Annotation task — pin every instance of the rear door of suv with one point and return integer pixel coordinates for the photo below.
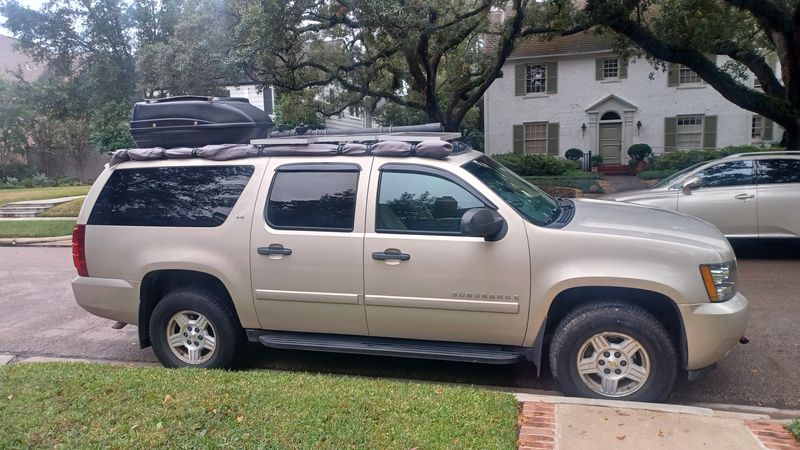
(779, 197)
(307, 243)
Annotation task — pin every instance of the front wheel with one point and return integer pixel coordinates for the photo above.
(613, 350)
(192, 328)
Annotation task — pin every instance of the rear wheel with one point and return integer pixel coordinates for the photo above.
(613, 350)
(193, 328)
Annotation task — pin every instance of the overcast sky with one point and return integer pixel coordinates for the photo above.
(36, 4)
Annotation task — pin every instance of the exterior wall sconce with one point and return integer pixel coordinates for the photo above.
(583, 129)
(638, 126)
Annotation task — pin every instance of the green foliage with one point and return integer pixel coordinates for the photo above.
(35, 228)
(794, 428)
(640, 152)
(69, 209)
(391, 114)
(655, 174)
(536, 165)
(19, 195)
(682, 159)
(37, 181)
(294, 108)
(574, 154)
(597, 159)
(12, 125)
(94, 406)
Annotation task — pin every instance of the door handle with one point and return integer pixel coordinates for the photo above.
(391, 254)
(743, 196)
(274, 249)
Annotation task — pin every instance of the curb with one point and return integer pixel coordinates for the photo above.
(660, 407)
(15, 242)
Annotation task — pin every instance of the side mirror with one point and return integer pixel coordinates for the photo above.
(690, 184)
(483, 222)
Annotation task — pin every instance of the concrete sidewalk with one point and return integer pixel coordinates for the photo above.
(569, 423)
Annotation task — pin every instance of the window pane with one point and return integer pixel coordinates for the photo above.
(735, 173)
(313, 200)
(687, 75)
(412, 202)
(170, 196)
(535, 78)
(611, 68)
(689, 132)
(755, 131)
(535, 138)
(773, 171)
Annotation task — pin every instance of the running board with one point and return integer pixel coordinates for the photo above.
(404, 348)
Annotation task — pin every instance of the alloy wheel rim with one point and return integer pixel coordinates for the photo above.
(191, 337)
(613, 364)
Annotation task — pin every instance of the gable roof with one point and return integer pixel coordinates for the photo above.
(12, 60)
(584, 42)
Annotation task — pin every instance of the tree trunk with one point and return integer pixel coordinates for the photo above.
(793, 139)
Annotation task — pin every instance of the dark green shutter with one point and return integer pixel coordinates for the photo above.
(519, 79)
(710, 132)
(518, 134)
(552, 138)
(552, 77)
(598, 69)
(623, 68)
(670, 130)
(766, 129)
(673, 76)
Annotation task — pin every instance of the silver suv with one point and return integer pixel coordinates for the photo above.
(455, 258)
(747, 195)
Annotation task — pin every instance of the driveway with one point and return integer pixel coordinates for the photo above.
(40, 318)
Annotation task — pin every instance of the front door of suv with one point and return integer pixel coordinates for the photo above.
(726, 197)
(422, 278)
(307, 243)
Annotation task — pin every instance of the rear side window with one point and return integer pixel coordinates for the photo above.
(779, 171)
(170, 196)
(313, 200)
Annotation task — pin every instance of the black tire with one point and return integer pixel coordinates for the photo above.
(226, 329)
(613, 317)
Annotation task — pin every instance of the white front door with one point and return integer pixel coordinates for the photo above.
(423, 279)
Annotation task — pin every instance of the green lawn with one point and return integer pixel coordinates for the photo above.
(794, 428)
(574, 179)
(35, 228)
(68, 209)
(95, 406)
(18, 195)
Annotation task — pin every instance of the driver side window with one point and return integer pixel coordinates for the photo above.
(416, 203)
(734, 173)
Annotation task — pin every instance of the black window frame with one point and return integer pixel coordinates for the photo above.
(760, 174)
(420, 169)
(313, 168)
(93, 218)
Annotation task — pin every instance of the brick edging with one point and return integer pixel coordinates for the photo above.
(537, 426)
(773, 435)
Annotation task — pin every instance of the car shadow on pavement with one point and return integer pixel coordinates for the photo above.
(766, 248)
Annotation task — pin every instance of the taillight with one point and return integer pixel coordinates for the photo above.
(79, 250)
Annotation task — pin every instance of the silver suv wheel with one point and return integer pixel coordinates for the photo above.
(191, 337)
(613, 364)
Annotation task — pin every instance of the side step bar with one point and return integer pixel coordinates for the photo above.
(404, 348)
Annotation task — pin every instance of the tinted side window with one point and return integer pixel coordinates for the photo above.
(419, 203)
(201, 196)
(734, 173)
(774, 171)
(324, 201)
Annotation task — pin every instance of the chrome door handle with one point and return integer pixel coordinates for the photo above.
(743, 196)
(274, 249)
(390, 254)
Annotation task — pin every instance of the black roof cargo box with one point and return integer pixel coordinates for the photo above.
(191, 121)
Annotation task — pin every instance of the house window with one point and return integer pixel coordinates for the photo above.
(689, 132)
(535, 78)
(757, 128)
(610, 68)
(536, 138)
(687, 76)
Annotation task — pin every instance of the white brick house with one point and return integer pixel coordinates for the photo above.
(575, 92)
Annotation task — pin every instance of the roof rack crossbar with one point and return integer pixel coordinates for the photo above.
(775, 152)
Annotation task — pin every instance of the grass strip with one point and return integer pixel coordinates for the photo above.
(68, 209)
(35, 228)
(794, 428)
(19, 195)
(72, 405)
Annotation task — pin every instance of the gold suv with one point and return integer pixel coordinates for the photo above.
(452, 257)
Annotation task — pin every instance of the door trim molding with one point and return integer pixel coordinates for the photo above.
(312, 297)
(443, 303)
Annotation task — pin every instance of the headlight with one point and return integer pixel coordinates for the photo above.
(719, 280)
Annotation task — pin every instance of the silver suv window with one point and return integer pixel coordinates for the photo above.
(733, 173)
(312, 200)
(778, 171)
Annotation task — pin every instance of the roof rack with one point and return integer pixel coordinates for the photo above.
(776, 152)
(414, 133)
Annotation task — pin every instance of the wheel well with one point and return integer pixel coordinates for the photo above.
(159, 283)
(661, 306)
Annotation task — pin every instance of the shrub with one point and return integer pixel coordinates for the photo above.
(682, 159)
(574, 154)
(597, 160)
(38, 180)
(640, 152)
(536, 165)
(655, 174)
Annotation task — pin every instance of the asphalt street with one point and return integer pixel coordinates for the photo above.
(39, 317)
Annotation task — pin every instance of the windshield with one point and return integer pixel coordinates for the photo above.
(525, 198)
(672, 178)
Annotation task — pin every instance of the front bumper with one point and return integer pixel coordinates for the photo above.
(110, 298)
(713, 329)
